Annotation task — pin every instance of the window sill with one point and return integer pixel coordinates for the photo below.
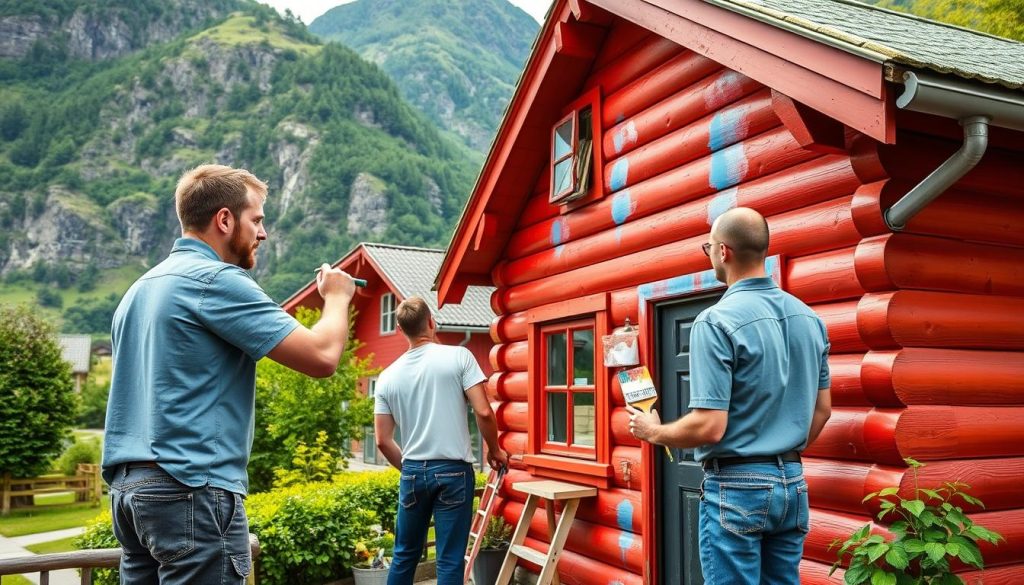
(570, 469)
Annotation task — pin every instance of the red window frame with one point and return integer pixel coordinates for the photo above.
(569, 388)
(595, 190)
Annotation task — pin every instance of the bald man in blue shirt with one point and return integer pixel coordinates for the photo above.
(186, 338)
(759, 395)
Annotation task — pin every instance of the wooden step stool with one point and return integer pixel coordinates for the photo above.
(550, 491)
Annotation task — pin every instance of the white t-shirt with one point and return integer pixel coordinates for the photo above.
(425, 391)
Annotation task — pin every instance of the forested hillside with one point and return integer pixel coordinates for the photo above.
(103, 105)
(456, 60)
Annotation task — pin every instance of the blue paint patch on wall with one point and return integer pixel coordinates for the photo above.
(624, 515)
(728, 167)
(622, 206)
(619, 140)
(726, 128)
(559, 250)
(620, 174)
(625, 542)
(722, 202)
(556, 232)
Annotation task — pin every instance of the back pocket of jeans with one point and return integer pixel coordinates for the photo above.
(407, 491)
(803, 508)
(453, 487)
(744, 507)
(165, 523)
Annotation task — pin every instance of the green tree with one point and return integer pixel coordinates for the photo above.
(37, 400)
(48, 297)
(293, 409)
(92, 407)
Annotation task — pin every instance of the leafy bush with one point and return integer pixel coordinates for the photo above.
(931, 531)
(308, 533)
(99, 533)
(497, 535)
(86, 451)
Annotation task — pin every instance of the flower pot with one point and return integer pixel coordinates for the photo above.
(365, 576)
(488, 565)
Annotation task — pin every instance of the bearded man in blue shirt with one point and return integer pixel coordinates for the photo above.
(759, 395)
(186, 338)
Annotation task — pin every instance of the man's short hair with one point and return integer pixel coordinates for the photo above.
(747, 234)
(206, 189)
(413, 315)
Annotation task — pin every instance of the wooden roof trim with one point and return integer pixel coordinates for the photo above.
(523, 98)
(843, 86)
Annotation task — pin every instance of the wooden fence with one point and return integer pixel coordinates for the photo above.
(86, 484)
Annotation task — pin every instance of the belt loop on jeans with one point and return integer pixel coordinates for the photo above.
(714, 462)
(780, 462)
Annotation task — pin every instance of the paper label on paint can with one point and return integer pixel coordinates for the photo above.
(637, 385)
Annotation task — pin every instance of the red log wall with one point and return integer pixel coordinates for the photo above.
(926, 325)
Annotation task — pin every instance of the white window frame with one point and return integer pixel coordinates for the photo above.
(387, 313)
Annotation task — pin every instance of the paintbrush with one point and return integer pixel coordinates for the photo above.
(357, 281)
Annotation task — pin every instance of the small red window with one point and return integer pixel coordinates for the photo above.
(568, 409)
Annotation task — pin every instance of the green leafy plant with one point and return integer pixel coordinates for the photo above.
(310, 464)
(80, 451)
(498, 534)
(929, 532)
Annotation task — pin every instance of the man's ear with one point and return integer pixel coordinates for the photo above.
(224, 220)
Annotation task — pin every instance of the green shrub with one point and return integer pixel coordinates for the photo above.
(308, 533)
(930, 531)
(99, 533)
(85, 451)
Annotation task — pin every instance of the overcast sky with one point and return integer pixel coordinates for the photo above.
(310, 9)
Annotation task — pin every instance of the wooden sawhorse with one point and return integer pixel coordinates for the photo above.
(551, 492)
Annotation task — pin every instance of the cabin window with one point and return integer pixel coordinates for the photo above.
(387, 313)
(568, 389)
(572, 159)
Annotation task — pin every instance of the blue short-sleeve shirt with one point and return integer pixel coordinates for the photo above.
(761, 354)
(186, 338)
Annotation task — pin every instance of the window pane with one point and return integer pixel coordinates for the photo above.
(563, 176)
(556, 359)
(583, 357)
(563, 140)
(583, 419)
(557, 417)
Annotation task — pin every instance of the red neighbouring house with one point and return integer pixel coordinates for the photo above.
(634, 125)
(393, 274)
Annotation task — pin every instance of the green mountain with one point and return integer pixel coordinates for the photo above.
(456, 60)
(103, 105)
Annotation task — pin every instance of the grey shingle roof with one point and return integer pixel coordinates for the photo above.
(412, 270)
(901, 38)
(77, 349)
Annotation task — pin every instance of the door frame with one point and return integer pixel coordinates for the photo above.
(649, 294)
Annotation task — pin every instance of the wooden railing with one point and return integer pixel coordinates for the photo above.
(86, 484)
(86, 561)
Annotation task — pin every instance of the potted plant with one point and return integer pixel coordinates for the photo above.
(493, 548)
(373, 559)
(929, 531)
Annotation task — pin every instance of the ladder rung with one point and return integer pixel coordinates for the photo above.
(527, 553)
(492, 485)
(474, 534)
(466, 557)
(482, 512)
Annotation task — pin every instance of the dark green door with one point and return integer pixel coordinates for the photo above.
(678, 482)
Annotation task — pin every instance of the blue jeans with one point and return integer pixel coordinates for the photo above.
(753, 521)
(443, 489)
(173, 534)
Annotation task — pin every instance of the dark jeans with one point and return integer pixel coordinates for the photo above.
(753, 521)
(443, 489)
(173, 534)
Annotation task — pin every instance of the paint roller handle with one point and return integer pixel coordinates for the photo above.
(361, 282)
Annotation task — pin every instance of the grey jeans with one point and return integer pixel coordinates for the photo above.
(173, 534)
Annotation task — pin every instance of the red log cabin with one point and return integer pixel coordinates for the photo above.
(393, 274)
(634, 125)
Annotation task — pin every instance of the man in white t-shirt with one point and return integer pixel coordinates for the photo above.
(424, 393)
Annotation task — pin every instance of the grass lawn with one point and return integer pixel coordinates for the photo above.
(37, 520)
(54, 546)
(14, 580)
(54, 499)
